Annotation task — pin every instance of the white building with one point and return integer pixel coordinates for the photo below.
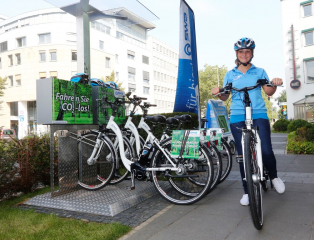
(298, 15)
(42, 44)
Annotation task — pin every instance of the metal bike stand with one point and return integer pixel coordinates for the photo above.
(108, 201)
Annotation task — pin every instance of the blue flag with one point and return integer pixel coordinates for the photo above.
(187, 96)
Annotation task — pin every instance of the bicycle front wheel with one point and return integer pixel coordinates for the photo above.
(98, 175)
(252, 174)
(226, 159)
(188, 186)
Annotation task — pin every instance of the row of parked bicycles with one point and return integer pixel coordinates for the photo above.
(113, 154)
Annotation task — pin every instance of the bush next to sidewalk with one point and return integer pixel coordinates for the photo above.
(24, 164)
(281, 125)
(297, 145)
(295, 124)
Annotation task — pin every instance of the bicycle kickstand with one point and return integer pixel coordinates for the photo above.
(132, 187)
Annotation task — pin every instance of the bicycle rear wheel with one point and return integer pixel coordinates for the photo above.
(217, 163)
(252, 175)
(232, 147)
(98, 175)
(226, 159)
(186, 187)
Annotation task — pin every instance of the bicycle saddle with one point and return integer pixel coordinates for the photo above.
(156, 119)
(184, 118)
(172, 121)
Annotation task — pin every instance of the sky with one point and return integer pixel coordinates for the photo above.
(219, 24)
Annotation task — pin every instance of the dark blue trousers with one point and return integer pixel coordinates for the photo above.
(268, 155)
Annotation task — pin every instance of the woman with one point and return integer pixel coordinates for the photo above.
(245, 74)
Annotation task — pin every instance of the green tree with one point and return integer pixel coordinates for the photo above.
(282, 98)
(2, 88)
(207, 81)
(271, 110)
(112, 78)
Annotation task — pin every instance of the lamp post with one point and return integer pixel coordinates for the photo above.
(217, 75)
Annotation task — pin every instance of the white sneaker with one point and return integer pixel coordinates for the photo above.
(245, 200)
(279, 185)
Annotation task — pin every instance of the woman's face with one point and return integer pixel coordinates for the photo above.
(244, 55)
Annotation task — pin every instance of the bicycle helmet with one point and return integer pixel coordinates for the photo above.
(244, 43)
(80, 78)
(112, 85)
(97, 82)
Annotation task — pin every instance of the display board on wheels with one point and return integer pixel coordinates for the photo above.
(217, 117)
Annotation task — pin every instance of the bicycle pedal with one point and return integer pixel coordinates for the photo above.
(130, 188)
(239, 159)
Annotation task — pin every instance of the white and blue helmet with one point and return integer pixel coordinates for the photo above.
(97, 82)
(244, 43)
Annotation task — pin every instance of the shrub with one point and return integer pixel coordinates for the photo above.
(294, 125)
(24, 164)
(299, 147)
(305, 133)
(281, 125)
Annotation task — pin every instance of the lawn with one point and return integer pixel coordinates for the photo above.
(21, 224)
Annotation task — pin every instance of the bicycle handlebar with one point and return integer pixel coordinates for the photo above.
(260, 82)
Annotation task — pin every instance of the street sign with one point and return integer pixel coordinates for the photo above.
(295, 84)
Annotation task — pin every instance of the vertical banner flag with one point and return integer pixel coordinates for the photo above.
(187, 96)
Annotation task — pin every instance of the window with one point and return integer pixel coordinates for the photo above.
(44, 38)
(308, 38)
(53, 74)
(3, 46)
(146, 77)
(107, 62)
(101, 44)
(131, 55)
(117, 76)
(42, 56)
(21, 42)
(18, 59)
(42, 75)
(146, 90)
(131, 87)
(131, 74)
(14, 109)
(74, 56)
(117, 58)
(145, 59)
(11, 84)
(310, 70)
(10, 60)
(18, 80)
(307, 10)
(53, 55)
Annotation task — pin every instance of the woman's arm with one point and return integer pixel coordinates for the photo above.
(271, 90)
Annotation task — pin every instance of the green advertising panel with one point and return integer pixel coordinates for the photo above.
(190, 145)
(72, 102)
(102, 110)
(211, 137)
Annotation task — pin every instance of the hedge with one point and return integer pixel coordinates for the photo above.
(24, 164)
(295, 124)
(299, 147)
(281, 125)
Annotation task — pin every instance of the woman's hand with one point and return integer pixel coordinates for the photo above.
(215, 90)
(277, 81)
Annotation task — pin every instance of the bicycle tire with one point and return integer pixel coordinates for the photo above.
(96, 176)
(226, 159)
(181, 190)
(121, 173)
(233, 148)
(254, 189)
(217, 163)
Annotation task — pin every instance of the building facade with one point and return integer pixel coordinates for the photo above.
(42, 44)
(298, 36)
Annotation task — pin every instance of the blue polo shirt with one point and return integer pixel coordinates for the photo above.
(240, 80)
